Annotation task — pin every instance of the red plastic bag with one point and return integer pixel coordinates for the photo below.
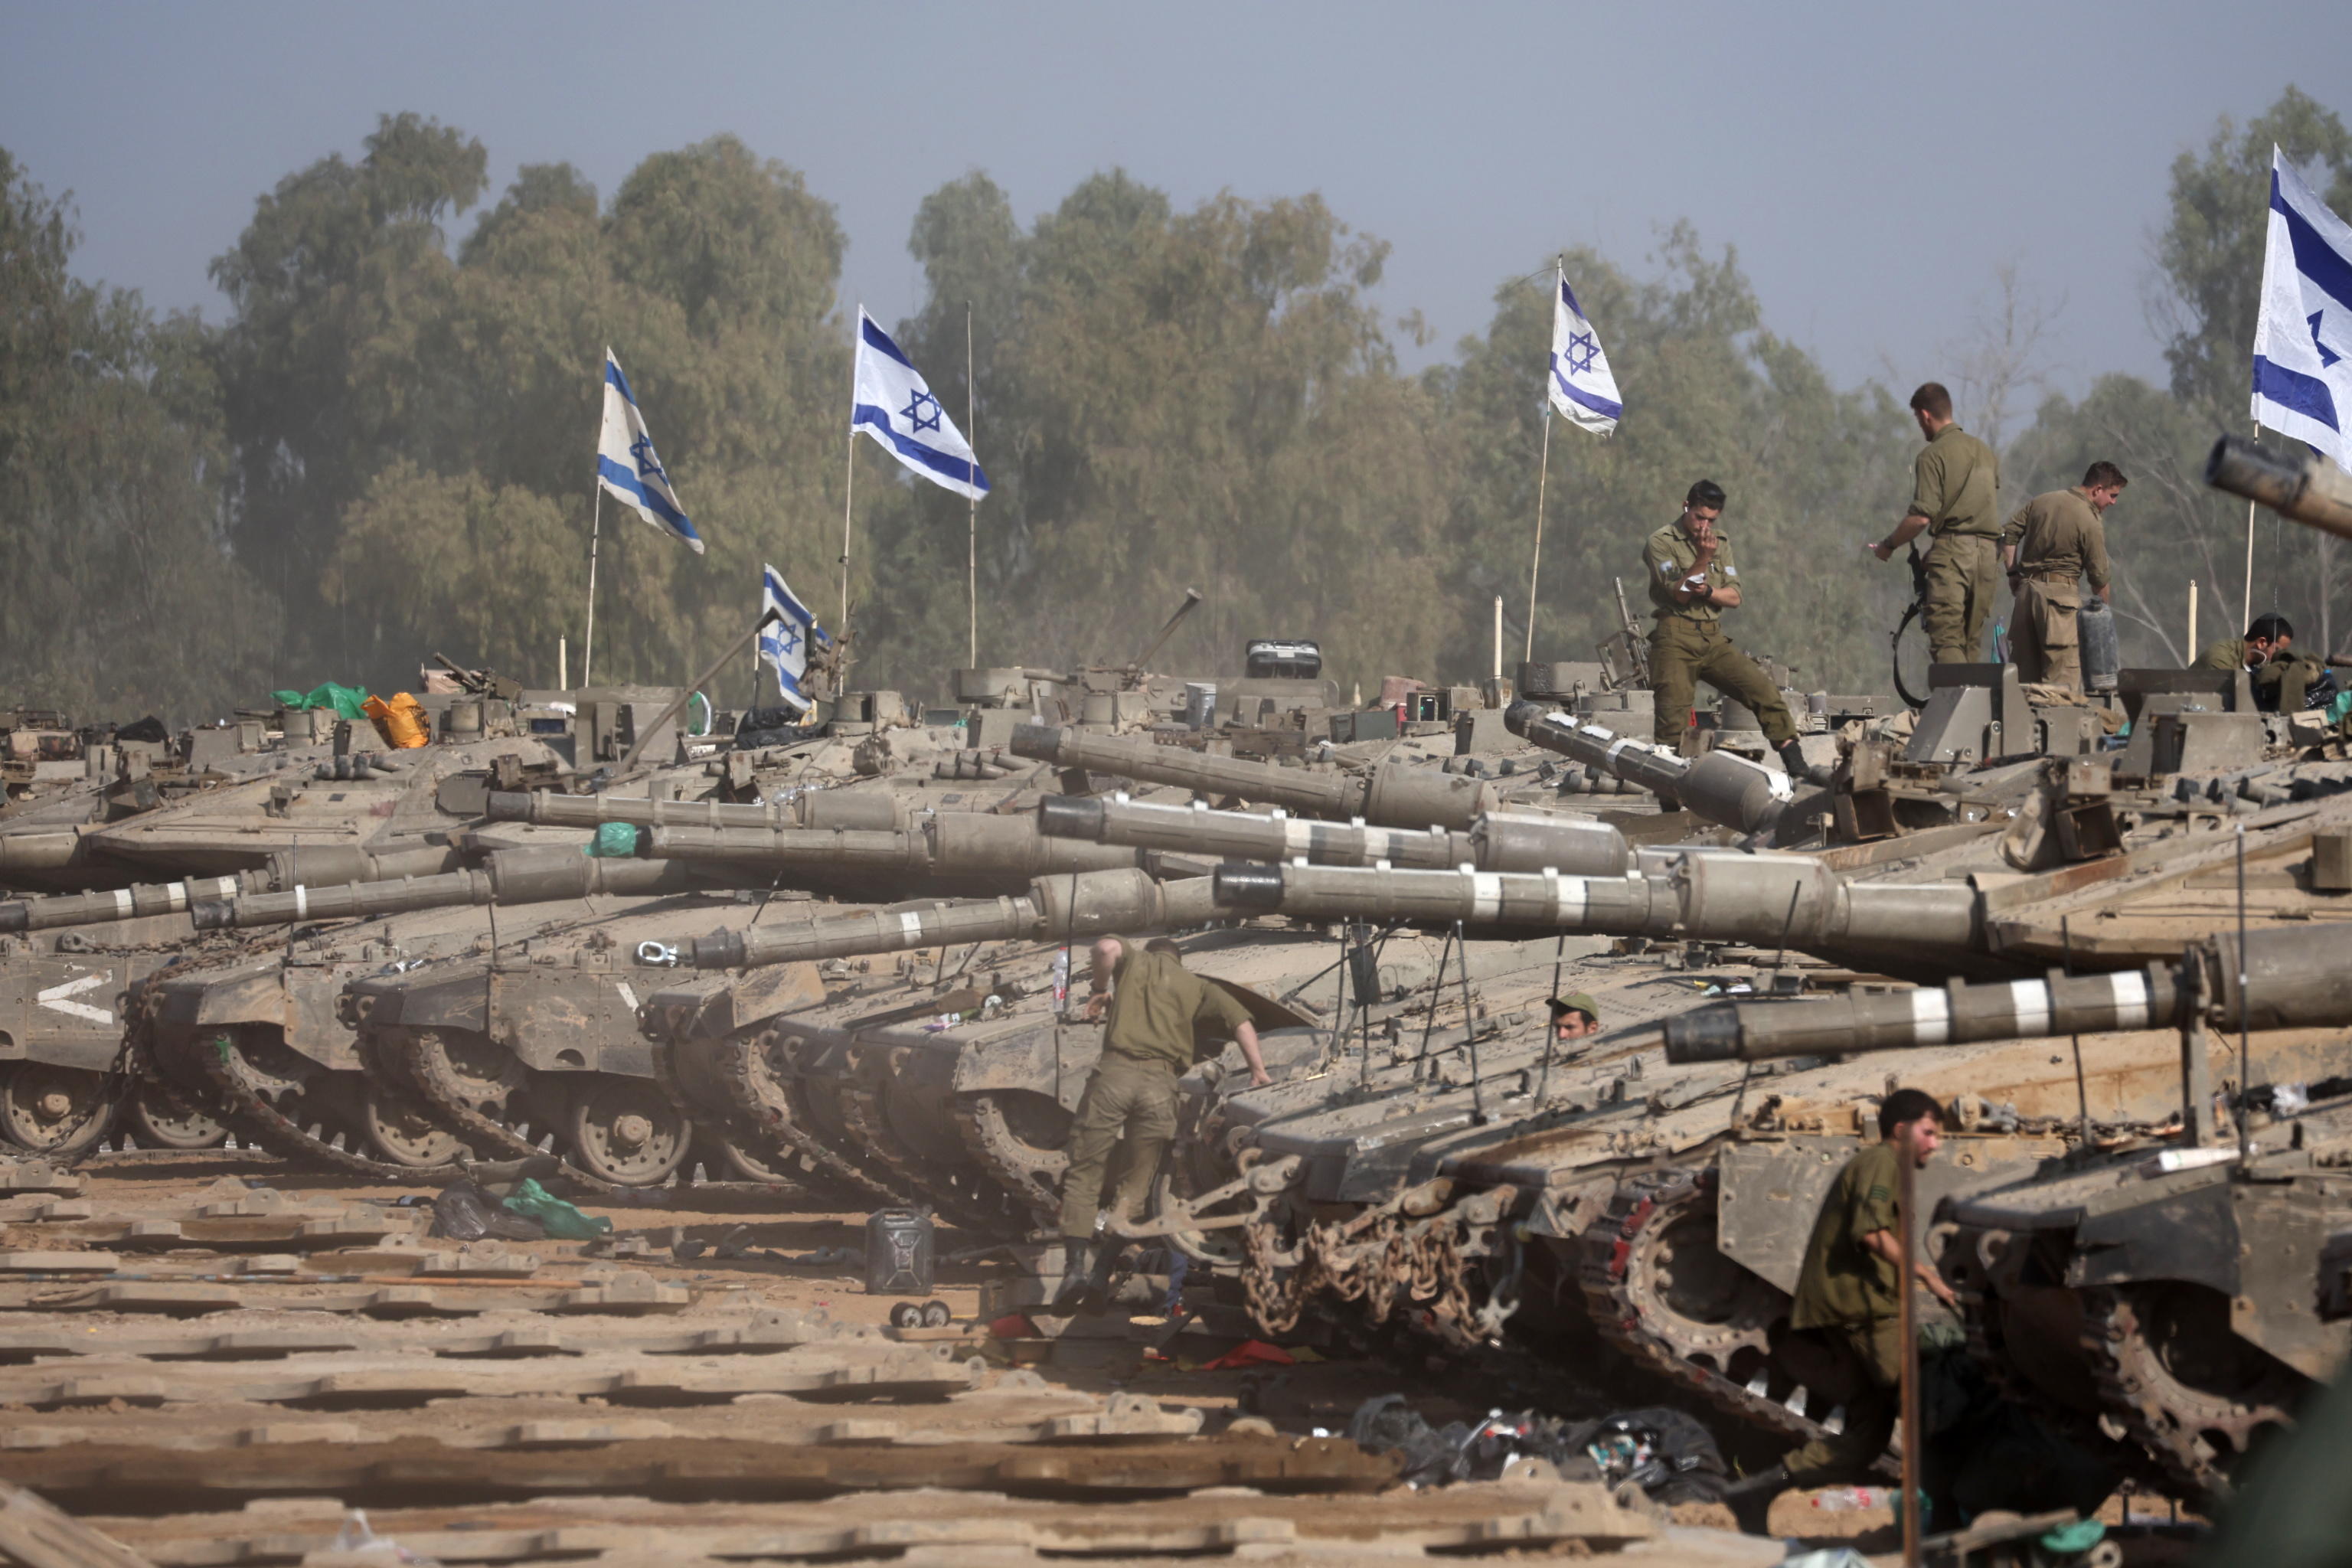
(1251, 1353)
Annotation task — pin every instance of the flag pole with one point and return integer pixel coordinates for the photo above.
(972, 502)
(595, 531)
(2246, 608)
(848, 500)
(1543, 473)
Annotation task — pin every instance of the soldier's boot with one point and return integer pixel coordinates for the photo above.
(1108, 1255)
(1077, 1277)
(1792, 757)
(1750, 1497)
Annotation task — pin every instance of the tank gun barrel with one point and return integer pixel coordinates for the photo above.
(1070, 908)
(532, 875)
(1497, 841)
(1707, 895)
(1721, 787)
(2308, 489)
(872, 810)
(950, 844)
(286, 870)
(1391, 795)
(2296, 978)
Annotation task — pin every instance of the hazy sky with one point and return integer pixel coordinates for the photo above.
(1873, 164)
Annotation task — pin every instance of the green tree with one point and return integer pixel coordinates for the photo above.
(118, 597)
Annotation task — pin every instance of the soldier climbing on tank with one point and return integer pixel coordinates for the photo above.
(2056, 543)
(1151, 1005)
(1954, 481)
(2284, 680)
(1848, 1303)
(1574, 1016)
(1693, 580)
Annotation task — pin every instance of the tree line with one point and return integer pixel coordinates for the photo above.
(383, 447)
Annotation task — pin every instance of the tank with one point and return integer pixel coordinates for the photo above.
(1644, 1202)
(2185, 1287)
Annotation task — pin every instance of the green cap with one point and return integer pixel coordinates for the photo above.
(1577, 1001)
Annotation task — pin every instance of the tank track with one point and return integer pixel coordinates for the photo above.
(423, 1056)
(240, 1106)
(993, 1146)
(2122, 1359)
(861, 1108)
(725, 1077)
(1608, 1246)
(1988, 1349)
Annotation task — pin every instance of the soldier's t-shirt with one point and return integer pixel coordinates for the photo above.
(1670, 555)
(1155, 1003)
(2222, 653)
(2062, 534)
(1954, 481)
(1843, 1282)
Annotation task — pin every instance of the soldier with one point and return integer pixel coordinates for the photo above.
(1847, 1296)
(2283, 680)
(1688, 566)
(1153, 1004)
(1574, 1016)
(1952, 497)
(2054, 544)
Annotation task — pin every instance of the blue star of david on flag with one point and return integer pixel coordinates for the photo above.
(2303, 380)
(893, 405)
(626, 466)
(785, 637)
(1581, 386)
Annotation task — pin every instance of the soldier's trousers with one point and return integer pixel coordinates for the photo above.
(2044, 637)
(1125, 1094)
(1683, 652)
(1872, 1357)
(1963, 572)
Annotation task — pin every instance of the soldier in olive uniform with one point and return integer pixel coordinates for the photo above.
(2055, 543)
(2283, 677)
(1147, 1042)
(1954, 481)
(1691, 581)
(1848, 1302)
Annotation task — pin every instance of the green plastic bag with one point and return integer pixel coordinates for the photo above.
(2073, 1539)
(562, 1222)
(344, 700)
(614, 841)
(2338, 706)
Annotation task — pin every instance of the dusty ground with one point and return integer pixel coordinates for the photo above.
(209, 1435)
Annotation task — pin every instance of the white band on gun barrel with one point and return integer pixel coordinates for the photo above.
(1931, 1016)
(2130, 991)
(2030, 1000)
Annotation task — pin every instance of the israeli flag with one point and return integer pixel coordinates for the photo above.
(895, 406)
(1582, 386)
(2303, 338)
(625, 462)
(788, 629)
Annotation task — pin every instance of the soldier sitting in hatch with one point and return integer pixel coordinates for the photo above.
(2284, 679)
(1574, 1017)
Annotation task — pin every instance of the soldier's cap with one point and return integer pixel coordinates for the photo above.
(1575, 1002)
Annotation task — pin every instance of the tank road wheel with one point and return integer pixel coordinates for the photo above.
(52, 1110)
(2181, 1381)
(159, 1119)
(402, 1131)
(1018, 1139)
(625, 1131)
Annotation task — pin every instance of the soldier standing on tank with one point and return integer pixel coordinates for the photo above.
(1848, 1298)
(2282, 678)
(1152, 1007)
(2056, 543)
(1693, 580)
(1954, 481)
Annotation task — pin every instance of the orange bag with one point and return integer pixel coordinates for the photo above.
(400, 722)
